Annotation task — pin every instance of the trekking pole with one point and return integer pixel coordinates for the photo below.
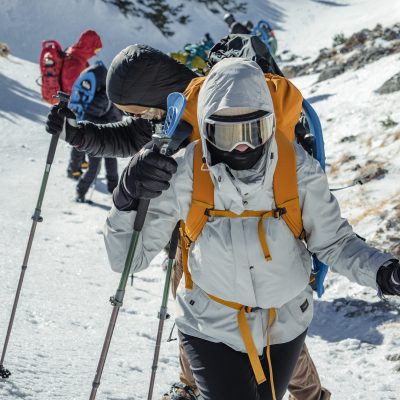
(5, 373)
(118, 299)
(175, 103)
(163, 315)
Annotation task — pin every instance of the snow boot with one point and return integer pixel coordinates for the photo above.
(74, 174)
(84, 164)
(180, 391)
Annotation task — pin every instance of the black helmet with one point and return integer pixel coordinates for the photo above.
(229, 19)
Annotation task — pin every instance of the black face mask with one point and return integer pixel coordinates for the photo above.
(237, 160)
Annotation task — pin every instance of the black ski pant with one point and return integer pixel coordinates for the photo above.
(77, 157)
(94, 168)
(222, 373)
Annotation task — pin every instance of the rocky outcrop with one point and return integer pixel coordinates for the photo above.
(391, 85)
(361, 48)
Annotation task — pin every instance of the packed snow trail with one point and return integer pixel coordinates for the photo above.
(63, 311)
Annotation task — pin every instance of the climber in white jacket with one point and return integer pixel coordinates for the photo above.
(226, 262)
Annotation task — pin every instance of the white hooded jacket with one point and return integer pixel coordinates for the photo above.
(227, 260)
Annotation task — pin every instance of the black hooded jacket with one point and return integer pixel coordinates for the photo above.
(138, 75)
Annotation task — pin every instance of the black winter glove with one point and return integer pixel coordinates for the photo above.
(55, 122)
(388, 278)
(145, 177)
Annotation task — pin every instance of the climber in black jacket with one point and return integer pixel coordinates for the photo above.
(138, 83)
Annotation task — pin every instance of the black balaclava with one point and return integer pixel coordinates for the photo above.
(237, 160)
(143, 76)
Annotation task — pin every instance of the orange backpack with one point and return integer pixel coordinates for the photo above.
(287, 102)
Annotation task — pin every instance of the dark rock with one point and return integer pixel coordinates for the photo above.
(350, 138)
(290, 71)
(357, 39)
(392, 33)
(391, 85)
(331, 72)
(393, 357)
(4, 50)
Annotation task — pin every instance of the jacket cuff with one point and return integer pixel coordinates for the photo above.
(72, 134)
(122, 200)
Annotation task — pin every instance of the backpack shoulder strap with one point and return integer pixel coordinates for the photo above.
(285, 185)
(202, 199)
(287, 101)
(190, 114)
(202, 196)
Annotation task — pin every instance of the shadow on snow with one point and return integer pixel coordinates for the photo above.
(346, 318)
(16, 99)
(320, 97)
(331, 3)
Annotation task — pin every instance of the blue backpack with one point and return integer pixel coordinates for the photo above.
(319, 269)
(83, 92)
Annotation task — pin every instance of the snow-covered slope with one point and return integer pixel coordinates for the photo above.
(303, 26)
(353, 334)
(64, 310)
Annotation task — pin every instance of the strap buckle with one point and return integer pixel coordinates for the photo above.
(185, 237)
(278, 212)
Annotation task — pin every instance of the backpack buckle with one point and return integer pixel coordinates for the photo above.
(185, 238)
(278, 212)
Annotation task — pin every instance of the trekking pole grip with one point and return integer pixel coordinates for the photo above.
(141, 214)
(64, 98)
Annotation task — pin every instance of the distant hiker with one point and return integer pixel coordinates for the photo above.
(77, 58)
(249, 25)
(195, 55)
(249, 198)
(59, 70)
(4, 50)
(264, 31)
(89, 101)
(235, 26)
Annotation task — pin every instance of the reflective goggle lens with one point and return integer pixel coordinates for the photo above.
(251, 129)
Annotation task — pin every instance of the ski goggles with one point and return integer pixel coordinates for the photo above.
(253, 130)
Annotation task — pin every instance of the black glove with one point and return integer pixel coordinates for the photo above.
(55, 122)
(145, 177)
(388, 278)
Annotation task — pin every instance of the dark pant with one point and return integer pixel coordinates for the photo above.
(94, 167)
(222, 373)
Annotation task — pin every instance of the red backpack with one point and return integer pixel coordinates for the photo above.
(51, 63)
